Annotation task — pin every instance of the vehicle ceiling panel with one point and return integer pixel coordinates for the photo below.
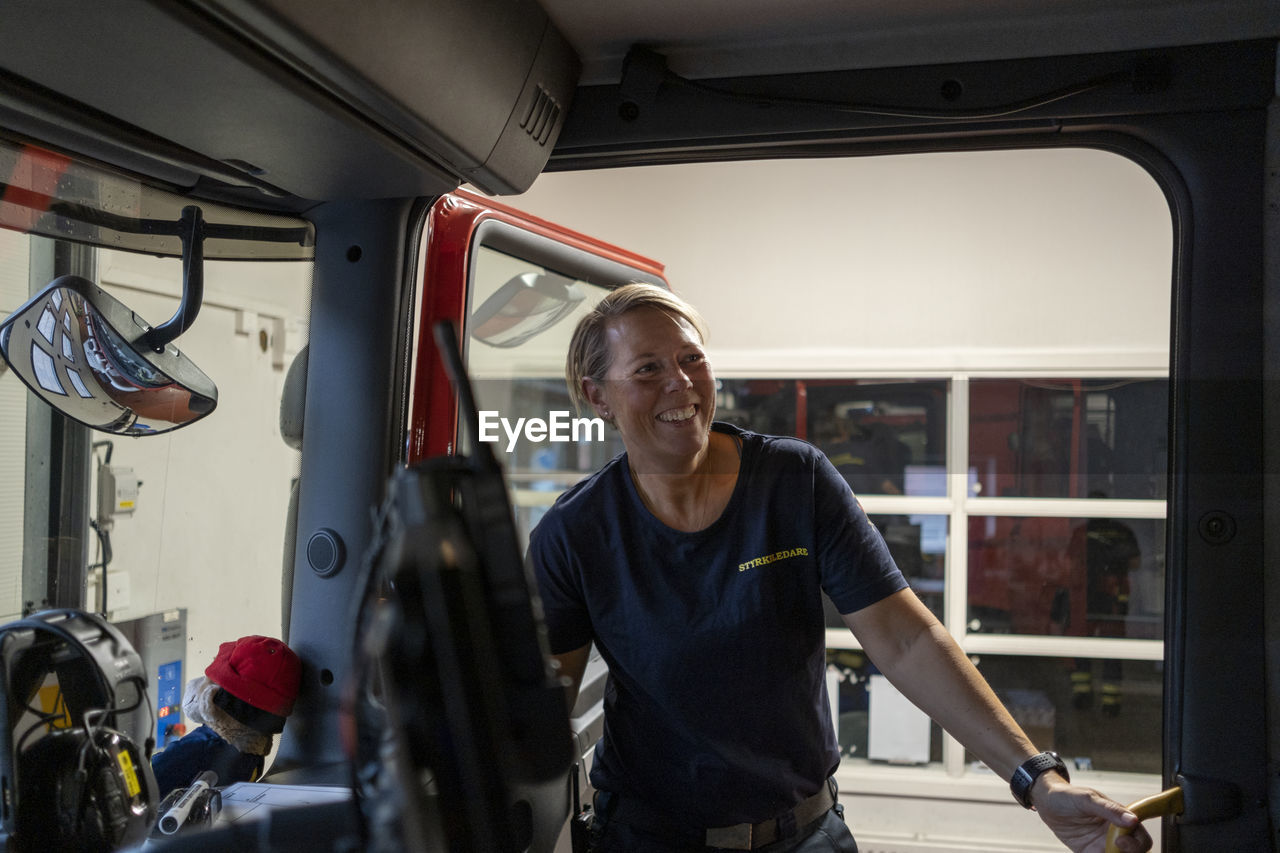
(282, 103)
(180, 93)
(226, 102)
(710, 38)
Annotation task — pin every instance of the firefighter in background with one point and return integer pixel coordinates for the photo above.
(869, 456)
(1108, 550)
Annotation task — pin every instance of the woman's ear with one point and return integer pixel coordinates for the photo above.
(594, 392)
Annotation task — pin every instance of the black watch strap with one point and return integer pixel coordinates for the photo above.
(1030, 770)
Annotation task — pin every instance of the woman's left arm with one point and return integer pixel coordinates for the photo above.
(908, 644)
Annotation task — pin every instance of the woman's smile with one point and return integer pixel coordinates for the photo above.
(678, 415)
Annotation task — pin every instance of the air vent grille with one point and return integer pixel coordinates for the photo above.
(542, 117)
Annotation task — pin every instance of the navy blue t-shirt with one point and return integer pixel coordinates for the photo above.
(178, 765)
(716, 707)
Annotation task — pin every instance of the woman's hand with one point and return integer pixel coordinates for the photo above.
(1080, 816)
(923, 661)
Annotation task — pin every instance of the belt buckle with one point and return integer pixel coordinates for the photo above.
(737, 837)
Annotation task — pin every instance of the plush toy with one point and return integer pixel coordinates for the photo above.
(241, 703)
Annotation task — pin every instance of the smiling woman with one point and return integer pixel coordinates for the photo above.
(647, 560)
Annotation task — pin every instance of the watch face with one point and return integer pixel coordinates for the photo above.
(1020, 784)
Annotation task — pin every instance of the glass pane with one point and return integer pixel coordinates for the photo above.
(886, 438)
(188, 526)
(212, 499)
(1078, 438)
(516, 365)
(882, 727)
(1094, 577)
(1098, 714)
(760, 405)
(918, 544)
(184, 530)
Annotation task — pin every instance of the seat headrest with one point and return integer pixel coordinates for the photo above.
(293, 400)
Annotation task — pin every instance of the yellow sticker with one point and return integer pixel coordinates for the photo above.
(130, 773)
(53, 705)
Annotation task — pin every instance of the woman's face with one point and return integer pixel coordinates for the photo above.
(659, 390)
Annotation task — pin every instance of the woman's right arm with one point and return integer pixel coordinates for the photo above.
(570, 667)
(563, 608)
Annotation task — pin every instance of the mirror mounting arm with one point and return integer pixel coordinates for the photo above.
(191, 229)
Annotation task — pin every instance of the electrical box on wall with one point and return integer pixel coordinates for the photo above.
(117, 492)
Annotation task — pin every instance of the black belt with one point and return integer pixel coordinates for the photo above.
(742, 836)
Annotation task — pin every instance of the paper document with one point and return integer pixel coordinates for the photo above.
(252, 800)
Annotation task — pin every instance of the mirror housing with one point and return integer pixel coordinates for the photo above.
(524, 307)
(85, 353)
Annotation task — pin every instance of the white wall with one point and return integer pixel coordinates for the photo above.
(1015, 260)
(208, 531)
(14, 266)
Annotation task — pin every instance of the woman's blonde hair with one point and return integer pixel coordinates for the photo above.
(589, 349)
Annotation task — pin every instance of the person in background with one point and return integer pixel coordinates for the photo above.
(241, 702)
(695, 562)
(1108, 551)
(869, 456)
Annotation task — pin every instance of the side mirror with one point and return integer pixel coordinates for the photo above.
(524, 307)
(88, 355)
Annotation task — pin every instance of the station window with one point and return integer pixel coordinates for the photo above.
(1069, 438)
(1100, 713)
(1066, 577)
(1057, 486)
(885, 437)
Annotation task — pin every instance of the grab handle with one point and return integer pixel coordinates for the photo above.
(1165, 803)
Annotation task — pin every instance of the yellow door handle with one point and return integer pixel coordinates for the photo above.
(1165, 803)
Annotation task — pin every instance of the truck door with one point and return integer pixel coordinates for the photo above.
(515, 286)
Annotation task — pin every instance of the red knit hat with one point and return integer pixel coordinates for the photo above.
(259, 671)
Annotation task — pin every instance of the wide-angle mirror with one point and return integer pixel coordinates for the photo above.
(524, 307)
(82, 351)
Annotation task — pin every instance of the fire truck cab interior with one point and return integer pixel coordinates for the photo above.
(326, 132)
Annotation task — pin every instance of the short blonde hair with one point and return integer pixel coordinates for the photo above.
(588, 356)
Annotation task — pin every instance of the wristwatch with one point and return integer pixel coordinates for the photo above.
(1030, 770)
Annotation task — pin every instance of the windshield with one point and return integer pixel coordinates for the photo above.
(178, 537)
